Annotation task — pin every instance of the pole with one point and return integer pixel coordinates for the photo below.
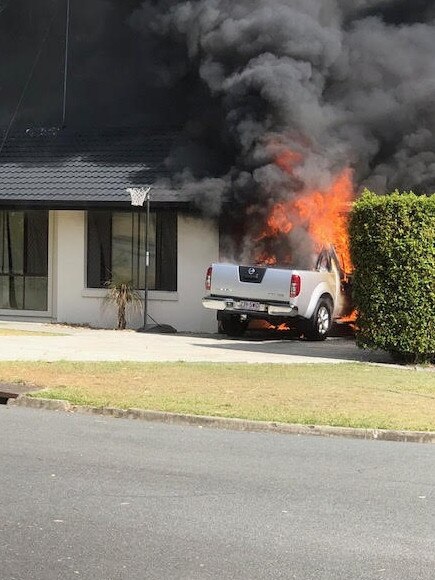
(65, 69)
(147, 261)
(139, 196)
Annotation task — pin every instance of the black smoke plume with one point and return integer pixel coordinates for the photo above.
(353, 85)
(343, 83)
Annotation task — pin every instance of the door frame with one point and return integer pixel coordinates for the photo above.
(6, 313)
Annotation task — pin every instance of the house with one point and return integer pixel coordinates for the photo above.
(67, 226)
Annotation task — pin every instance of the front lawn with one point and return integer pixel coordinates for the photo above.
(355, 395)
(15, 332)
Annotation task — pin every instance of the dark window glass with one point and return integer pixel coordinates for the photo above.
(12, 230)
(116, 249)
(36, 235)
(166, 248)
(99, 235)
(24, 260)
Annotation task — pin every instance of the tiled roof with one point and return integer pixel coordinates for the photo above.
(61, 167)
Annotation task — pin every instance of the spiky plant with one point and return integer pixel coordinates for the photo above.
(122, 294)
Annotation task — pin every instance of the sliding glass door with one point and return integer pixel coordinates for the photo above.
(24, 260)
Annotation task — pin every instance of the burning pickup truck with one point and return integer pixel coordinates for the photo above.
(308, 300)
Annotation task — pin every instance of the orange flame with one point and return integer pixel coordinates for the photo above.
(351, 318)
(326, 215)
(260, 324)
(287, 159)
(266, 260)
(277, 221)
(323, 212)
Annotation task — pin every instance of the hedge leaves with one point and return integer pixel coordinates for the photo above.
(393, 251)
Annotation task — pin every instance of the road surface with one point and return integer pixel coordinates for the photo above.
(106, 499)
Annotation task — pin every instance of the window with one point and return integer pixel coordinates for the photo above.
(323, 262)
(24, 260)
(116, 249)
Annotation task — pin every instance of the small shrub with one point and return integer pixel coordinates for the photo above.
(393, 251)
(121, 295)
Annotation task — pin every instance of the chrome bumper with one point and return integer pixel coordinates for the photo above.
(232, 305)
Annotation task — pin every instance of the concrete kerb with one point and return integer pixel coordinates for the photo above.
(227, 423)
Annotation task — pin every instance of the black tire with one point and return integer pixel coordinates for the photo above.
(319, 325)
(233, 326)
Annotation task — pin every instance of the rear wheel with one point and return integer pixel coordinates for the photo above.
(319, 325)
(233, 326)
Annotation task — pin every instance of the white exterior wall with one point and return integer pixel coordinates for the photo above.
(198, 247)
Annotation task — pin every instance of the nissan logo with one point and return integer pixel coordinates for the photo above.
(251, 271)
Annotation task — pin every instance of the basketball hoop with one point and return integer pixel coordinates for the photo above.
(138, 195)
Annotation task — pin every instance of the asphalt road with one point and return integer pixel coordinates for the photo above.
(105, 499)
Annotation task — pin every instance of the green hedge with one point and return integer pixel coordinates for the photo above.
(393, 251)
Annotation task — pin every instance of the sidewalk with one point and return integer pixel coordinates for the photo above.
(84, 344)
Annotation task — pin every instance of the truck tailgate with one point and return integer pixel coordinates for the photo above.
(251, 282)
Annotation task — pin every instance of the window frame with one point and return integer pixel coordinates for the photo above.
(166, 223)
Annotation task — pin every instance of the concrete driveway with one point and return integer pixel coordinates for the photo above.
(57, 342)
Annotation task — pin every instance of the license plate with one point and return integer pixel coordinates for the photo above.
(247, 305)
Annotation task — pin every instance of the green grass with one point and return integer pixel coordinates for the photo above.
(14, 332)
(351, 395)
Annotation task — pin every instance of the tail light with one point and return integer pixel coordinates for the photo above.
(295, 286)
(208, 278)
